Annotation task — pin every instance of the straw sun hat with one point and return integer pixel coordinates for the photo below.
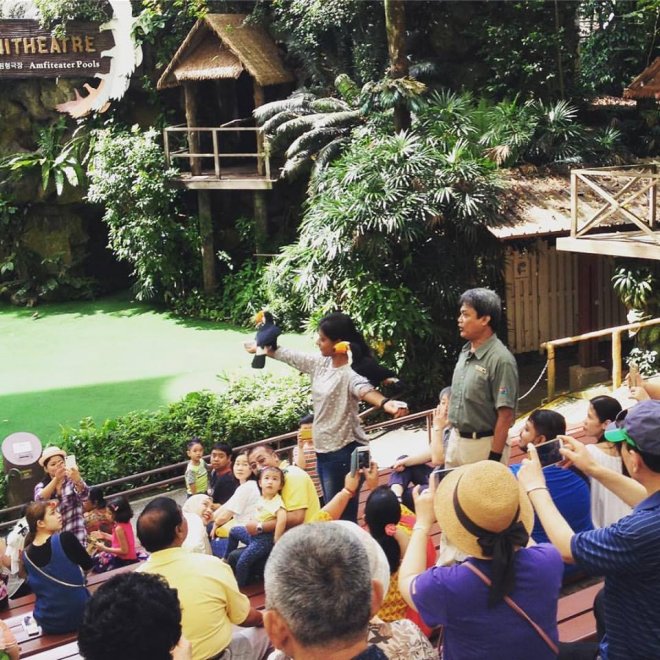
(49, 452)
(488, 495)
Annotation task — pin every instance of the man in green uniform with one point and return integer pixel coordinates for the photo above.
(484, 387)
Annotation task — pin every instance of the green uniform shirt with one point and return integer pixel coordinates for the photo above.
(483, 381)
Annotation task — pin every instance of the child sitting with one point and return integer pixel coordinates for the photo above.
(98, 518)
(121, 551)
(269, 507)
(197, 472)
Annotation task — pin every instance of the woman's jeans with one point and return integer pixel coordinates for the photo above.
(332, 468)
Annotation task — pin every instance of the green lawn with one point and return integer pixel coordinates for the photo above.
(104, 358)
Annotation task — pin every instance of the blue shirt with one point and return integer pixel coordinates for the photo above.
(571, 495)
(627, 553)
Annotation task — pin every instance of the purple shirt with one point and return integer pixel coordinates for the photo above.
(457, 598)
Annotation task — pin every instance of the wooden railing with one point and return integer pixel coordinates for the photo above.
(283, 444)
(194, 155)
(639, 180)
(616, 332)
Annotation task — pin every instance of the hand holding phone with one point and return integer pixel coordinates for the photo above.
(360, 459)
(548, 452)
(70, 462)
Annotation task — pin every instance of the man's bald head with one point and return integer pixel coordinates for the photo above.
(157, 524)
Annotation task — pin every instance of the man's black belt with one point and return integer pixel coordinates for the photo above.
(474, 435)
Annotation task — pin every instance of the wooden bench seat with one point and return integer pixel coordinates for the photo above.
(575, 615)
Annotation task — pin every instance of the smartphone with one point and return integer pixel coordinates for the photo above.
(360, 458)
(30, 626)
(305, 433)
(438, 475)
(70, 462)
(548, 452)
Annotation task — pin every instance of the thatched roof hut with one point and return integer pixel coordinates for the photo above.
(222, 46)
(647, 83)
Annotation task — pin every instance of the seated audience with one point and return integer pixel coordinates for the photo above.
(197, 512)
(304, 455)
(121, 551)
(300, 499)
(606, 507)
(269, 507)
(410, 471)
(489, 518)
(239, 508)
(627, 552)
(390, 524)
(67, 487)
(208, 594)
(569, 490)
(133, 616)
(54, 561)
(97, 517)
(222, 482)
(324, 612)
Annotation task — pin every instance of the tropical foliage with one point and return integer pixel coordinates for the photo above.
(54, 159)
(379, 239)
(130, 178)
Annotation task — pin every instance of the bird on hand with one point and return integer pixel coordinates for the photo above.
(266, 337)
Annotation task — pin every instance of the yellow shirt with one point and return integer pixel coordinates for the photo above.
(208, 594)
(299, 491)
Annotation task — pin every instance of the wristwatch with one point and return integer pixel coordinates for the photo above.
(260, 528)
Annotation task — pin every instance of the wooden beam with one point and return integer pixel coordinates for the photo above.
(614, 247)
(260, 221)
(259, 101)
(206, 234)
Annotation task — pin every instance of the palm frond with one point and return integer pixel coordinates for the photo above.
(295, 102)
(313, 140)
(329, 104)
(277, 120)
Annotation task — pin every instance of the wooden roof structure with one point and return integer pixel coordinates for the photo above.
(222, 46)
(607, 210)
(647, 83)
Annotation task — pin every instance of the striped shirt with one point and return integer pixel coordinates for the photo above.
(627, 553)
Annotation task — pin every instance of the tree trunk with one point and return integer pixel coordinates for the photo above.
(206, 234)
(395, 24)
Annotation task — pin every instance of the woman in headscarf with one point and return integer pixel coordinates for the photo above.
(501, 603)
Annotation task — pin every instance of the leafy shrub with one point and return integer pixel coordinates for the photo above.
(249, 410)
(130, 178)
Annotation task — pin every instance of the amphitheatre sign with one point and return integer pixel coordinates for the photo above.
(29, 51)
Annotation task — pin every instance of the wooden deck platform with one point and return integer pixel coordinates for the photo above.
(235, 177)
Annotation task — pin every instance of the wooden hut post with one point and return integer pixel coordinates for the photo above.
(258, 101)
(206, 234)
(260, 209)
(191, 122)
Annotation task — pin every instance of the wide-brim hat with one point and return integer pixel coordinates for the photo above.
(49, 452)
(487, 494)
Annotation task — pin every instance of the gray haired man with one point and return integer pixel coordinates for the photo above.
(320, 595)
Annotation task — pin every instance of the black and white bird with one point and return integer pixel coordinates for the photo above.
(267, 334)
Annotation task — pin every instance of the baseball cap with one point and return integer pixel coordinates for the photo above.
(638, 426)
